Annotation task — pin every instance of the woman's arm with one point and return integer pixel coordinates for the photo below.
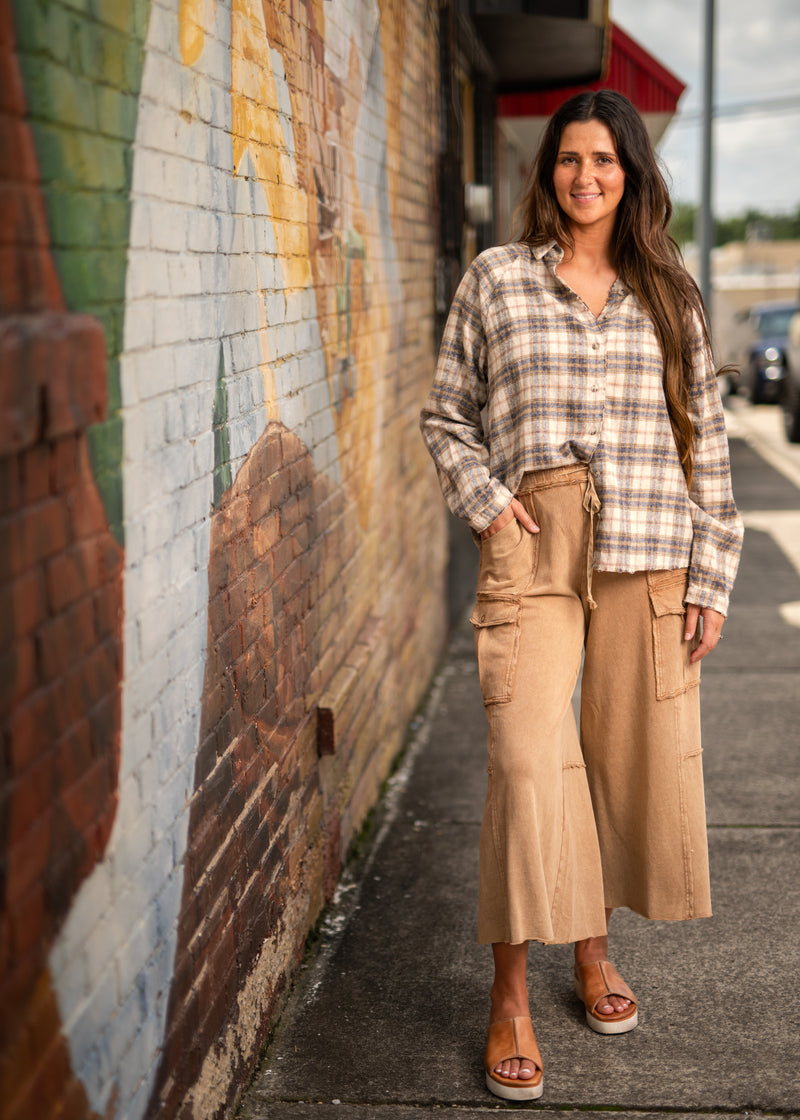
(451, 418)
(718, 529)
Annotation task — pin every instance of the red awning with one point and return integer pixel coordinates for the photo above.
(631, 70)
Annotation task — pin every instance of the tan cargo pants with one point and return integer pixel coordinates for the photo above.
(616, 818)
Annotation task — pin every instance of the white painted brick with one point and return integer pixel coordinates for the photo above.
(275, 310)
(162, 29)
(130, 805)
(168, 224)
(132, 955)
(138, 331)
(137, 741)
(73, 974)
(143, 687)
(168, 904)
(139, 236)
(199, 318)
(149, 174)
(186, 649)
(162, 128)
(201, 236)
(220, 149)
(167, 326)
(138, 1058)
(155, 627)
(128, 857)
(206, 105)
(142, 486)
(201, 492)
(195, 364)
(210, 187)
(127, 1026)
(180, 180)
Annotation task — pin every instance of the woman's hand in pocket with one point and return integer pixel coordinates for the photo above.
(516, 509)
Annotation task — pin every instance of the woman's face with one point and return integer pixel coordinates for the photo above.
(588, 179)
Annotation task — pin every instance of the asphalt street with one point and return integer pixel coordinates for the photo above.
(388, 1017)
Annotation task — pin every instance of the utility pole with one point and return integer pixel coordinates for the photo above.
(705, 214)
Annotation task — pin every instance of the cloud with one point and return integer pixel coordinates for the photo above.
(757, 157)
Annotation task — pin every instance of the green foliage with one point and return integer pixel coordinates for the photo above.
(753, 224)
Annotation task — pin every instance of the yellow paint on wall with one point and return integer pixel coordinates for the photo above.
(191, 31)
(258, 134)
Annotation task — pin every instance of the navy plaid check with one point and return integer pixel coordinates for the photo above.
(528, 379)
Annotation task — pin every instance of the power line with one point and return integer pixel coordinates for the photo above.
(744, 109)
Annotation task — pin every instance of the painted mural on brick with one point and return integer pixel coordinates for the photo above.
(262, 384)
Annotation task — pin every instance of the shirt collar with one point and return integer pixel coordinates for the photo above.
(552, 252)
(550, 249)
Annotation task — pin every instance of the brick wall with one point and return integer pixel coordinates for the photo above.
(222, 545)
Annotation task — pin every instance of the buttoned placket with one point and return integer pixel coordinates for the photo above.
(594, 326)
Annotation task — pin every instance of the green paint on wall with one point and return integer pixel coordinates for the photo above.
(222, 443)
(81, 64)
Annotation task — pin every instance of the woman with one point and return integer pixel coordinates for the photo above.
(576, 424)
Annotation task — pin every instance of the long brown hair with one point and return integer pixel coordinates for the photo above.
(645, 256)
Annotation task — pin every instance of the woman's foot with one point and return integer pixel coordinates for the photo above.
(513, 1039)
(593, 949)
(505, 1008)
(609, 1002)
(509, 997)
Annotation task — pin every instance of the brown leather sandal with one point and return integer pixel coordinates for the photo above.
(595, 980)
(513, 1038)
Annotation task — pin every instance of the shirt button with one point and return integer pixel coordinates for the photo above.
(595, 346)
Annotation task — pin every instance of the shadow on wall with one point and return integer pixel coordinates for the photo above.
(279, 540)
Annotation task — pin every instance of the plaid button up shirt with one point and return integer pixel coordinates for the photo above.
(528, 379)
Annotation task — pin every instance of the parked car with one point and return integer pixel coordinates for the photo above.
(790, 386)
(764, 368)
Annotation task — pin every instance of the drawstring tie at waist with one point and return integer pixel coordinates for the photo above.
(591, 503)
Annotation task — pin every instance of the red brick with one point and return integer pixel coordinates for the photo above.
(67, 580)
(86, 796)
(44, 533)
(27, 860)
(64, 464)
(35, 470)
(31, 728)
(29, 797)
(29, 921)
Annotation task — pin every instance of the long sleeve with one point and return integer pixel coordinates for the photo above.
(718, 529)
(451, 418)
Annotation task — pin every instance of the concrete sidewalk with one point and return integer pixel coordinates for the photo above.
(388, 1018)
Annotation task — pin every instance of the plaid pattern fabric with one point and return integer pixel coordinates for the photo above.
(528, 379)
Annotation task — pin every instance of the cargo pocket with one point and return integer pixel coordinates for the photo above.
(673, 672)
(497, 621)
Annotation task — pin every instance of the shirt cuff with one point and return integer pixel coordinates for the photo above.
(500, 499)
(705, 597)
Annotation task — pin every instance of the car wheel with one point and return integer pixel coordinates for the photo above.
(791, 422)
(790, 406)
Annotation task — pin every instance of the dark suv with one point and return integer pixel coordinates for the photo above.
(765, 368)
(790, 394)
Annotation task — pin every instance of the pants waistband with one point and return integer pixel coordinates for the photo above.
(553, 476)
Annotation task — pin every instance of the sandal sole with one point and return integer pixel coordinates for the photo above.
(514, 1092)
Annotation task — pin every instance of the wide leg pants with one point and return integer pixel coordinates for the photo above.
(615, 817)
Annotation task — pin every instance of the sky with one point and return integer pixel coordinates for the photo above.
(757, 59)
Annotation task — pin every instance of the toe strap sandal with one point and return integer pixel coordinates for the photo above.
(594, 982)
(513, 1038)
